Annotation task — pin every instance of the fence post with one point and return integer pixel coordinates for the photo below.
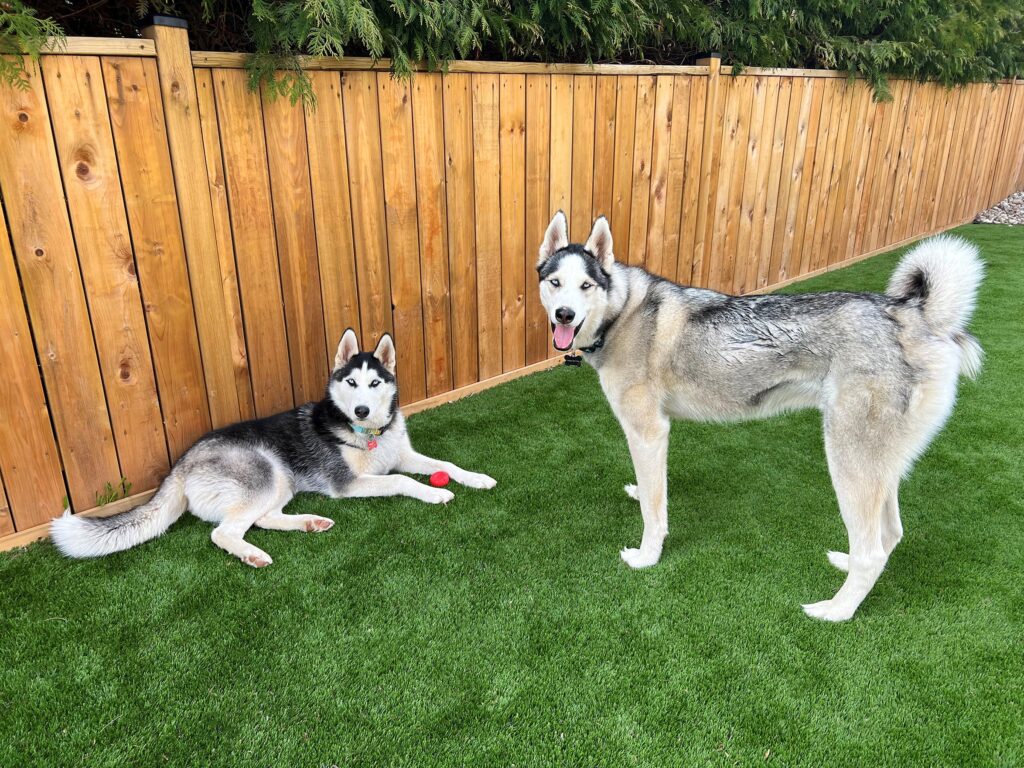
(195, 208)
(706, 195)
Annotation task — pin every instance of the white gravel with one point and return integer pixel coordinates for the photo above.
(1010, 211)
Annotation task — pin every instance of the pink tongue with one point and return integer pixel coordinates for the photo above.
(563, 336)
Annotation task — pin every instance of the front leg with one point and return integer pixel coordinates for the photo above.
(647, 436)
(418, 464)
(365, 486)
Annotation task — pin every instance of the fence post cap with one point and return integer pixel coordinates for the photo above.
(159, 20)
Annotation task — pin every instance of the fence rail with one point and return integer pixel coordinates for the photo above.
(179, 252)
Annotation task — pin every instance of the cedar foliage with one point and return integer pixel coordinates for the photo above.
(952, 42)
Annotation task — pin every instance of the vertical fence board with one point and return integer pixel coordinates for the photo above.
(538, 213)
(643, 140)
(41, 234)
(136, 115)
(487, 197)
(760, 220)
(85, 147)
(661, 145)
(428, 136)
(820, 176)
(688, 259)
(366, 182)
(403, 234)
(769, 211)
(259, 281)
(29, 461)
(791, 177)
(726, 151)
(838, 171)
(622, 172)
(458, 137)
(753, 180)
(199, 235)
(800, 255)
(583, 129)
(675, 182)
(604, 145)
(513, 221)
(862, 138)
(332, 210)
(235, 329)
(288, 162)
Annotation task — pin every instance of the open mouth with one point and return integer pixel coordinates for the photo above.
(564, 335)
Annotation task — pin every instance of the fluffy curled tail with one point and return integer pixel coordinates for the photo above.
(942, 275)
(77, 536)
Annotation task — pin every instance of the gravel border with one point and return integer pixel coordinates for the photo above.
(1010, 211)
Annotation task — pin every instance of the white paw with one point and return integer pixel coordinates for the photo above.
(317, 524)
(829, 610)
(632, 491)
(638, 558)
(477, 480)
(257, 559)
(840, 560)
(437, 495)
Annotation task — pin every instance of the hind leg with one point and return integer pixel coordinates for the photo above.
(861, 503)
(892, 532)
(229, 536)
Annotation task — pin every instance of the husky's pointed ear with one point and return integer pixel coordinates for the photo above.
(600, 243)
(347, 349)
(555, 238)
(385, 352)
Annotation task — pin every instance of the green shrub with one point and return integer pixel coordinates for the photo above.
(952, 42)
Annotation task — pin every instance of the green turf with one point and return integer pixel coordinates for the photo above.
(504, 630)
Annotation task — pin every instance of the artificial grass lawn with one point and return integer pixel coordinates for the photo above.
(504, 630)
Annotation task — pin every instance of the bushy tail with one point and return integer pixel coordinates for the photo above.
(943, 274)
(77, 536)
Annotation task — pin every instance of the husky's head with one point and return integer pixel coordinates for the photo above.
(363, 385)
(574, 282)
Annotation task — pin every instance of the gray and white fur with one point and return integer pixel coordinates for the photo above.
(244, 475)
(882, 368)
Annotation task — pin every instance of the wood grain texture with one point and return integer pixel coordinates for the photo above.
(428, 136)
(287, 157)
(606, 93)
(403, 234)
(643, 146)
(51, 280)
(583, 146)
(332, 209)
(538, 212)
(622, 171)
(248, 185)
(513, 221)
(487, 199)
(366, 187)
(29, 461)
(215, 174)
(85, 148)
(199, 233)
(136, 116)
(6, 521)
(661, 145)
(461, 206)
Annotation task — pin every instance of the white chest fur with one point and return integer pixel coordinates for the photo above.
(382, 459)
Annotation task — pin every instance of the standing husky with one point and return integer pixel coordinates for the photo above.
(243, 475)
(882, 369)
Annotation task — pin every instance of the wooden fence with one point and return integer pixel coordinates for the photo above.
(180, 252)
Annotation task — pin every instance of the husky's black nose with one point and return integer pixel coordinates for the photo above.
(362, 411)
(564, 315)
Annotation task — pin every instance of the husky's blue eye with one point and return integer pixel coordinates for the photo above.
(374, 383)
(555, 283)
(350, 382)
(586, 285)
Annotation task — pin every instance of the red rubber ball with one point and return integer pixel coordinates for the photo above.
(439, 479)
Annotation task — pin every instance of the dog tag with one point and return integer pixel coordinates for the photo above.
(371, 444)
(574, 360)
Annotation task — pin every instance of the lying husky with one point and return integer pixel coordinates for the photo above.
(243, 475)
(882, 369)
